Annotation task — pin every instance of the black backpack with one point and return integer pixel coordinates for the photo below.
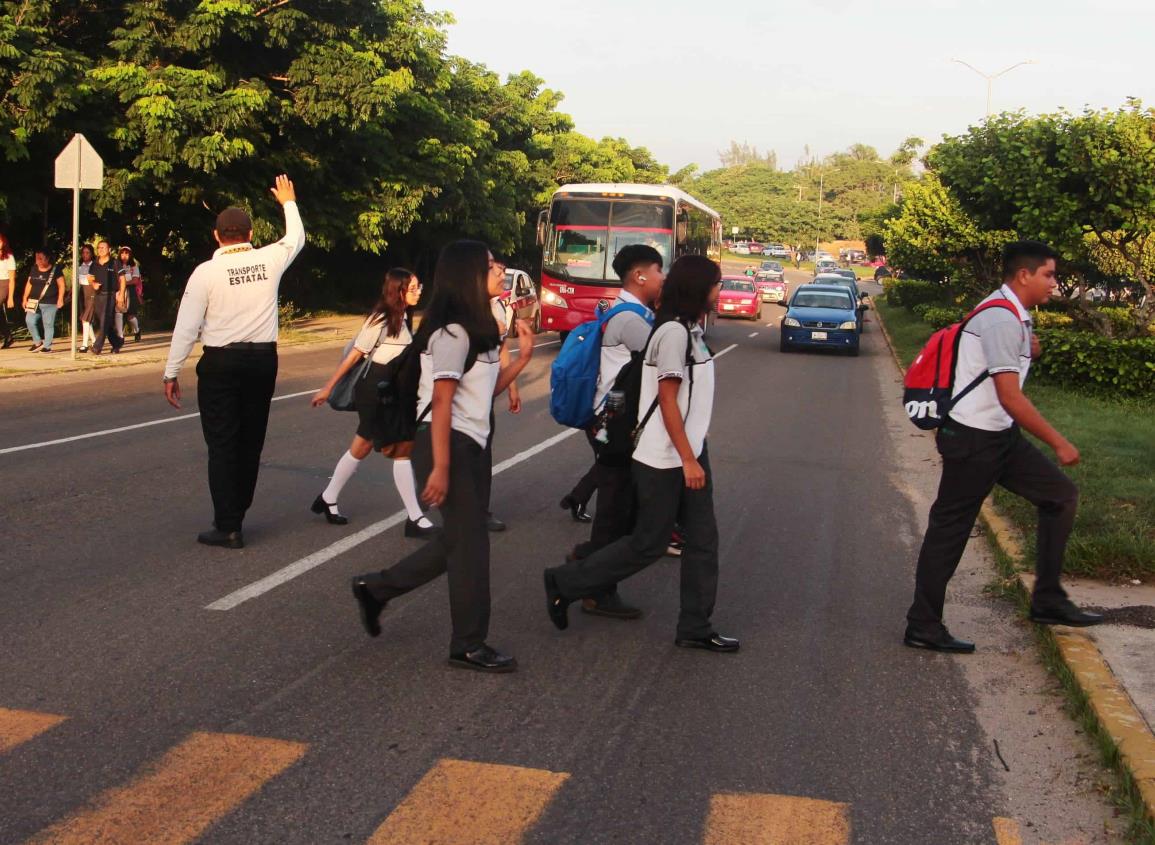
(619, 427)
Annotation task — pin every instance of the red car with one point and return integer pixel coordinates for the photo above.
(769, 289)
(739, 298)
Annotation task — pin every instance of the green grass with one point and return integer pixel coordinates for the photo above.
(1114, 536)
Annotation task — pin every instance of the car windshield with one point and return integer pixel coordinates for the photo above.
(822, 299)
(737, 284)
(588, 233)
(772, 266)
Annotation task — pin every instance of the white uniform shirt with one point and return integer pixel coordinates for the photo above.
(624, 333)
(996, 341)
(444, 358)
(666, 358)
(232, 298)
(389, 348)
(7, 268)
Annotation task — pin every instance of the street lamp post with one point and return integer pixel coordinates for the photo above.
(991, 77)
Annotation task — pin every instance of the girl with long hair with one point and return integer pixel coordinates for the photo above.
(671, 467)
(384, 336)
(7, 290)
(461, 372)
(135, 289)
(87, 256)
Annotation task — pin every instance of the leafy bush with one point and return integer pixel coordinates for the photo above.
(911, 292)
(921, 309)
(1051, 320)
(1097, 364)
(939, 317)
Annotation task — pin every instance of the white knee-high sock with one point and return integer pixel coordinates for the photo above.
(345, 469)
(407, 486)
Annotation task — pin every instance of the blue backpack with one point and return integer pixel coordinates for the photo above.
(573, 380)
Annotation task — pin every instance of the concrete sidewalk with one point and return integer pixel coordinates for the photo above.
(18, 362)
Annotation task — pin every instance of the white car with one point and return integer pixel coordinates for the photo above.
(742, 248)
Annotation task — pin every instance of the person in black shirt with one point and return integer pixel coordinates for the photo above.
(43, 295)
(108, 281)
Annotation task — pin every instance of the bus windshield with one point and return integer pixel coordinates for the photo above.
(588, 233)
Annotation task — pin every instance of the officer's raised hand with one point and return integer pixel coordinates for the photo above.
(283, 190)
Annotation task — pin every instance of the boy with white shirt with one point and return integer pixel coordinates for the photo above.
(982, 444)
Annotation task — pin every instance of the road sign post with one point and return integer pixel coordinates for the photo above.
(78, 167)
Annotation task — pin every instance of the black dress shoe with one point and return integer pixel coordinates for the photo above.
(576, 509)
(331, 516)
(610, 606)
(556, 604)
(714, 642)
(494, 524)
(484, 659)
(943, 641)
(1066, 614)
(224, 539)
(412, 529)
(369, 607)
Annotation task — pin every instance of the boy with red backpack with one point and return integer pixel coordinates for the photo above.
(980, 411)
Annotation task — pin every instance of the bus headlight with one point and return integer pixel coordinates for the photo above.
(790, 321)
(550, 298)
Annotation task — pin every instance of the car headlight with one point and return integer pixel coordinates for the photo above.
(790, 321)
(849, 324)
(551, 298)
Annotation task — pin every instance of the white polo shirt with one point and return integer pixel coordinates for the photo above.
(624, 333)
(666, 358)
(232, 298)
(444, 358)
(996, 341)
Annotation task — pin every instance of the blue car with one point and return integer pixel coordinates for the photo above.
(820, 317)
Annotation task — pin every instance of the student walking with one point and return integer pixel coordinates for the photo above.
(108, 282)
(88, 296)
(461, 373)
(982, 444)
(134, 288)
(7, 290)
(231, 302)
(43, 295)
(671, 468)
(383, 337)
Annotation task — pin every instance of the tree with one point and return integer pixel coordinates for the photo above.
(740, 154)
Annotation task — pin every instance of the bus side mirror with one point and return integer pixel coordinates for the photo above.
(541, 219)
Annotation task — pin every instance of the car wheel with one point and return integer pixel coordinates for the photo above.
(562, 336)
(854, 351)
(537, 322)
(783, 346)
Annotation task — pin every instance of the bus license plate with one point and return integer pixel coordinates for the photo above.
(818, 335)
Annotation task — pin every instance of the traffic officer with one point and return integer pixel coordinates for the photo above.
(231, 301)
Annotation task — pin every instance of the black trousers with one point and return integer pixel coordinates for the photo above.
(973, 462)
(5, 326)
(616, 510)
(663, 501)
(460, 549)
(587, 485)
(487, 458)
(104, 324)
(234, 390)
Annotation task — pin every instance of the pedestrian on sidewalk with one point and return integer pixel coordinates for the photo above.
(108, 282)
(384, 336)
(671, 468)
(982, 444)
(504, 319)
(7, 290)
(624, 335)
(134, 287)
(88, 296)
(461, 373)
(43, 295)
(231, 302)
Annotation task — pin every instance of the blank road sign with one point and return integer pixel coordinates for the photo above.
(79, 166)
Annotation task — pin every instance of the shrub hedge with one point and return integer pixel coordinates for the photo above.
(1089, 362)
(941, 316)
(911, 292)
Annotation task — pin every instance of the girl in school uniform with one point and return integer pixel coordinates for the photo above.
(461, 372)
(383, 337)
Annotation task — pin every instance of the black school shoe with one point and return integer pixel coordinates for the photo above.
(223, 539)
(942, 641)
(417, 532)
(369, 607)
(715, 642)
(611, 606)
(576, 510)
(1067, 613)
(484, 659)
(556, 605)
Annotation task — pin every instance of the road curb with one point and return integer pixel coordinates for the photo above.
(1115, 713)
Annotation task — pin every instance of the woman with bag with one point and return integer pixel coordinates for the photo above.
(383, 337)
(129, 306)
(461, 373)
(88, 301)
(43, 295)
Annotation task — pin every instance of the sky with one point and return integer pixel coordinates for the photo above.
(685, 77)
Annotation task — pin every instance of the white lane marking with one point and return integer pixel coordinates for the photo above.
(752, 334)
(300, 567)
(770, 325)
(132, 427)
(724, 351)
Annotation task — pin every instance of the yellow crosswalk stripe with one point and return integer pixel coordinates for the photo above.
(762, 819)
(1007, 832)
(19, 726)
(174, 801)
(464, 803)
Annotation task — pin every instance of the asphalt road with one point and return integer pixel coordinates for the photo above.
(279, 721)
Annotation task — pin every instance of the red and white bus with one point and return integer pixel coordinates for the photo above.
(586, 225)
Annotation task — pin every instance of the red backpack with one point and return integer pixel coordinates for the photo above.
(929, 382)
